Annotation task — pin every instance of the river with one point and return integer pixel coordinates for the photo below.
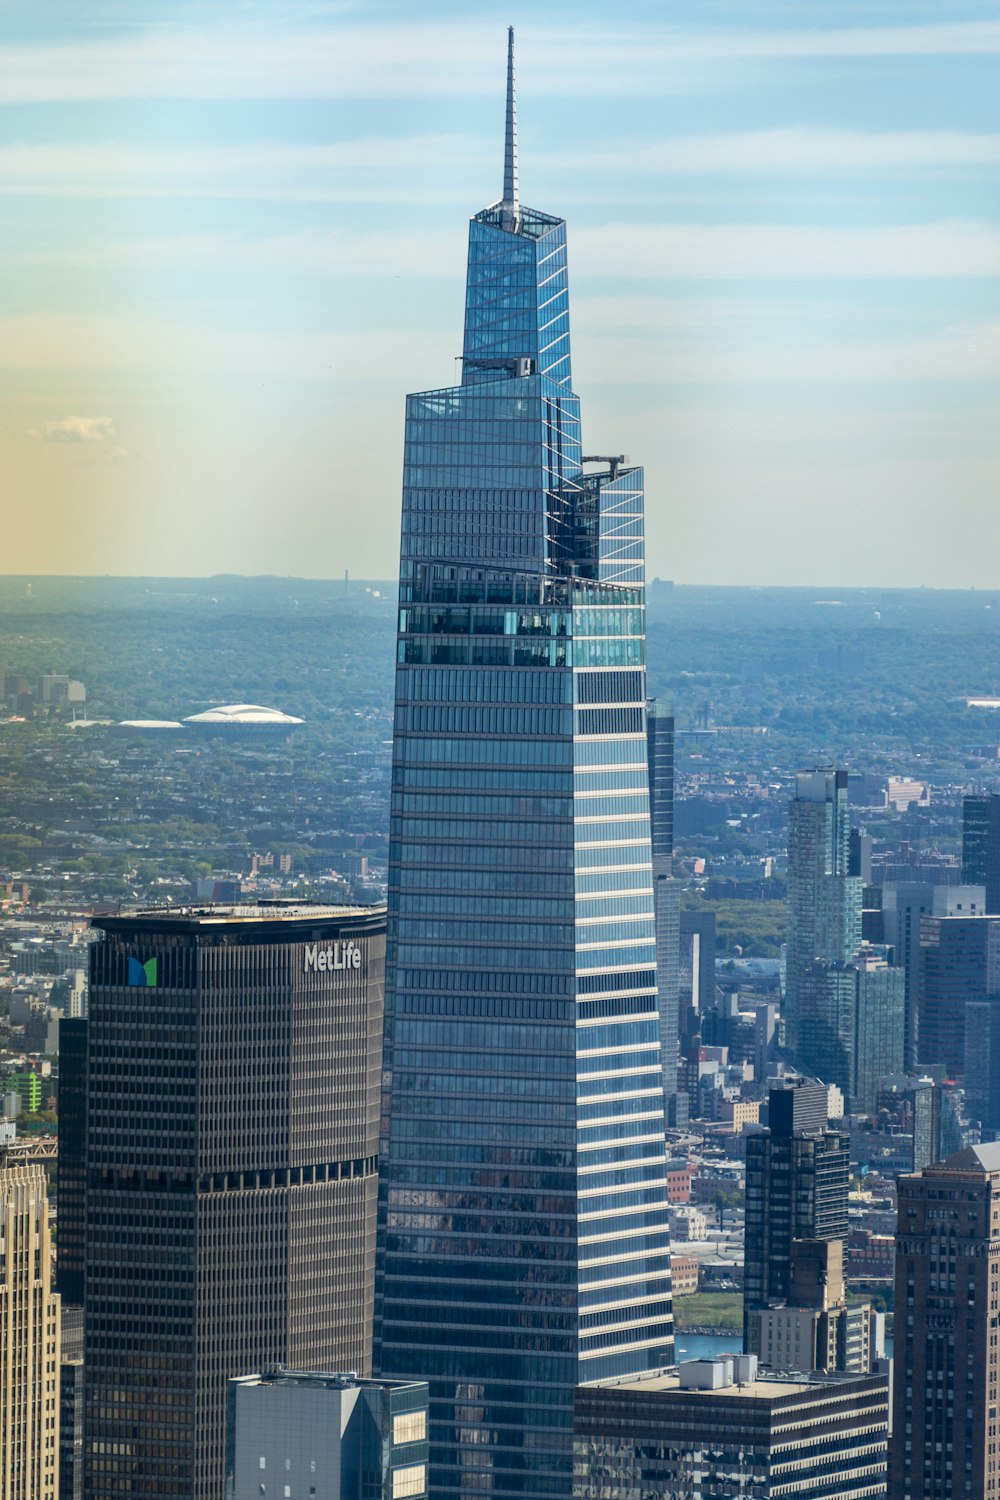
(706, 1345)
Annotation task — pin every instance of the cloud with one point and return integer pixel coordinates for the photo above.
(394, 169)
(970, 354)
(614, 252)
(798, 149)
(96, 432)
(436, 58)
(336, 171)
(656, 342)
(742, 252)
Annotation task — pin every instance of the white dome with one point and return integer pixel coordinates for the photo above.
(243, 713)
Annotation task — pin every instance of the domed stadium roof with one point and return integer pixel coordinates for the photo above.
(149, 724)
(244, 713)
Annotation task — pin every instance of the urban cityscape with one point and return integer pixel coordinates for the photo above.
(549, 1044)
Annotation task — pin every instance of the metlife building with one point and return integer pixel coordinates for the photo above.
(232, 1095)
(522, 1217)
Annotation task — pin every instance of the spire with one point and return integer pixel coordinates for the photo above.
(509, 204)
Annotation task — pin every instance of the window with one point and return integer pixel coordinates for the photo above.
(409, 1427)
(410, 1480)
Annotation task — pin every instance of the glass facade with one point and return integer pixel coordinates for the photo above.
(523, 1220)
(824, 925)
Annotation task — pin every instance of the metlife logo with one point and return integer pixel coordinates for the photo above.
(328, 960)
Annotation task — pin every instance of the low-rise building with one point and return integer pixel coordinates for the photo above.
(684, 1271)
(326, 1436)
(719, 1427)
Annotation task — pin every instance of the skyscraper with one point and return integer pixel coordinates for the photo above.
(797, 1182)
(72, 1146)
(523, 1216)
(29, 1338)
(233, 1060)
(824, 919)
(981, 845)
(959, 968)
(879, 1027)
(946, 1381)
(903, 904)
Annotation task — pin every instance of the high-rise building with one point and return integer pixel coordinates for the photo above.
(719, 1427)
(325, 1437)
(981, 845)
(946, 1379)
(913, 1105)
(523, 1216)
(29, 1338)
(879, 1027)
(666, 890)
(903, 905)
(71, 1403)
(959, 968)
(817, 1329)
(72, 1146)
(797, 1178)
(233, 1066)
(824, 917)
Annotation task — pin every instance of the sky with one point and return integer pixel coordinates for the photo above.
(234, 238)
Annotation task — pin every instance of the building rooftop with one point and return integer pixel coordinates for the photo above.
(984, 1158)
(243, 713)
(772, 1386)
(143, 723)
(325, 1380)
(290, 913)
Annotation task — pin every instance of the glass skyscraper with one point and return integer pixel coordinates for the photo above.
(523, 1217)
(824, 925)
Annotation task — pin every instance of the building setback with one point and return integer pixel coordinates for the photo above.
(233, 1062)
(29, 1338)
(523, 1215)
(946, 1381)
(326, 1437)
(797, 1180)
(712, 1428)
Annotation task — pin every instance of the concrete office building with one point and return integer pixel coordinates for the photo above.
(946, 1378)
(29, 1338)
(797, 1178)
(715, 1428)
(233, 1072)
(315, 1436)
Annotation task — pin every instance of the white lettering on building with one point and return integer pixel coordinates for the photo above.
(317, 960)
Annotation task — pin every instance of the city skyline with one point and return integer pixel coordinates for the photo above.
(208, 212)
